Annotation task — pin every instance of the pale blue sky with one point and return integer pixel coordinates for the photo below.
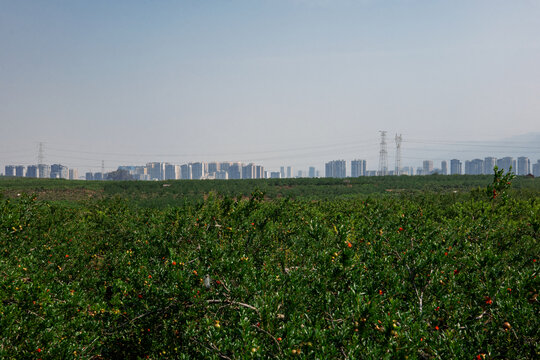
(277, 82)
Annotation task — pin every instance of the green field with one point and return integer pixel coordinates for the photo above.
(377, 268)
(160, 194)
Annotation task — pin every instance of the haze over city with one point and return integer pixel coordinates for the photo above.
(281, 83)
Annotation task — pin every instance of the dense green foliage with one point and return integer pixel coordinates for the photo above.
(179, 192)
(418, 275)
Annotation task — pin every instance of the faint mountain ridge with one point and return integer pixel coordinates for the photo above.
(527, 145)
(532, 138)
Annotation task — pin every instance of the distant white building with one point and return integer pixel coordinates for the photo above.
(44, 171)
(19, 171)
(73, 174)
(358, 168)
(172, 172)
(198, 170)
(474, 167)
(289, 172)
(427, 167)
(185, 172)
(336, 169)
(222, 175)
(536, 169)
(507, 163)
(32, 171)
(444, 167)
(10, 170)
(59, 171)
(455, 167)
(523, 166)
(489, 164)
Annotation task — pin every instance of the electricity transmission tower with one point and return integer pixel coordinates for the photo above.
(40, 154)
(383, 156)
(398, 155)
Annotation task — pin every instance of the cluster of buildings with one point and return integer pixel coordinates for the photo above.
(193, 171)
(209, 170)
(287, 172)
(519, 166)
(43, 171)
(238, 170)
(338, 169)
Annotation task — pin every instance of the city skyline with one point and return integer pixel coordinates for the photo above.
(239, 170)
(413, 154)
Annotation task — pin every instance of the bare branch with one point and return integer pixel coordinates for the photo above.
(220, 354)
(272, 336)
(230, 302)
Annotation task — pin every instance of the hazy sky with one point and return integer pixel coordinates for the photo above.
(278, 82)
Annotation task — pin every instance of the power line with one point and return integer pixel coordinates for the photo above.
(474, 144)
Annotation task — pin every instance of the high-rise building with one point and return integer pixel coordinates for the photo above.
(358, 168)
(154, 169)
(536, 169)
(10, 170)
(235, 170)
(44, 171)
(282, 171)
(336, 169)
(59, 171)
(198, 170)
(474, 167)
(289, 172)
(444, 167)
(455, 167)
(73, 174)
(523, 165)
(185, 172)
(275, 175)
(489, 164)
(138, 172)
(311, 172)
(248, 171)
(19, 171)
(506, 163)
(407, 170)
(32, 171)
(222, 175)
(224, 166)
(172, 172)
(427, 167)
(259, 172)
(213, 167)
